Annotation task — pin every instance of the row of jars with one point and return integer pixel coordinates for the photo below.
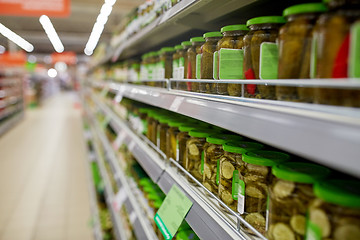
(310, 40)
(280, 197)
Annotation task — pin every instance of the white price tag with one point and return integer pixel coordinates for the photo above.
(176, 103)
(119, 95)
(119, 140)
(132, 217)
(119, 199)
(131, 145)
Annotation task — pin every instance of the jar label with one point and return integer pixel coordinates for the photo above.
(269, 59)
(202, 162)
(231, 63)
(354, 64)
(238, 191)
(181, 69)
(216, 65)
(313, 56)
(313, 231)
(198, 66)
(218, 172)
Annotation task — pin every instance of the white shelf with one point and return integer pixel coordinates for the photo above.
(205, 216)
(325, 134)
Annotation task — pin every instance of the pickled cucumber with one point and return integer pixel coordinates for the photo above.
(319, 217)
(282, 231)
(284, 189)
(226, 196)
(261, 170)
(256, 220)
(227, 170)
(193, 150)
(297, 223)
(207, 171)
(254, 191)
(347, 232)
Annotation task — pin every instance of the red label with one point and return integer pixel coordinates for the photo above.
(340, 69)
(249, 74)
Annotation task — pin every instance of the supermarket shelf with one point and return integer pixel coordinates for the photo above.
(11, 122)
(142, 227)
(93, 200)
(204, 217)
(323, 134)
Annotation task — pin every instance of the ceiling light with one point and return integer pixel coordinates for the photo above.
(51, 33)
(52, 72)
(16, 39)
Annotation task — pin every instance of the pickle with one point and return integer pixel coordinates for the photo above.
(256, 220)
(262, 170)
(225, 184)
(282, 231)
(254, 191)
(283, 188)
(347, 232)
(208, 186)
(193, 150)
(207, 171)
(227, 170)
(297, 223)
(226, 196)
(252, 178)
(320, 218)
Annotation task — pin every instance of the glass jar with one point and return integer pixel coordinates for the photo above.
(207, 56)
(183, 65)
(230, 168)
(290, 193)
(175, 64)
(262, 30)
(161, 133)
(210, 164)
(192, 53)
(332, 36)
(151, 127)
(143, 114)
(171, 137)
(255, 178)
(165, 69)
(152, 61)
(295, 40)
(144, 68)
(154, 126)
(181, 140)
(335, 213)
(233, 39)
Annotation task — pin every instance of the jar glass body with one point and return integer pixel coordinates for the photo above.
(212, 155)
(154, 131)
(161, 136)
(175, 60)
(166, 64)
(191, 70)
(181, 140)
(171, 145)
(183, 70)
(194, 153)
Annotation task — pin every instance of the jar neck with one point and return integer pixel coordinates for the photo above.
(305, 16)
(265, 26)
(213, 39)
(235, 33)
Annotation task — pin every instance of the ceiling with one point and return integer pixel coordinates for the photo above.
(74, 31)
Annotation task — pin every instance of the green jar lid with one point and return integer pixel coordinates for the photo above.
(144, 56)
(212, 34)
(200, 133)
(149, 189)
(186, 128)
(187, 235)
(265, 158)
(266, 19)
(305, 8)
(220, 139)
(241, 147)
(135, 65)
(144, 110)
(197, 39)
(166, 49)
(145, 182)
(300, 172)
(175, 123)
(178, 47)
(239, 27)
(157, 203)
(186, 43)
(152, 54)
(164, 119)
(341, 192)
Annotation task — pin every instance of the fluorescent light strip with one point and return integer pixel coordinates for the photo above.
(16, 38)
(51, 33)
(98, 28)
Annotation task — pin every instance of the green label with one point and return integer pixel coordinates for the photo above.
(313, 56)
(313, 231)
(235, 184)
(202, 162)
(269, 58)
(215, 65)
(172, 212)
(354, 58)
(145, 126)
(231, 63)
(218, 172)
(181, 62)
(198, 66)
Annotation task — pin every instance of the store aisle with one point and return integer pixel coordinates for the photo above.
(43, 181)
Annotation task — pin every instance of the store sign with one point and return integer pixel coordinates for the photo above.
(13, 58)
(67, 57)
(52, 8)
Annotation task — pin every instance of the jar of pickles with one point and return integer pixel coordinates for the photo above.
(213, 150)
(193, 56)
(143, 114)
(335, 213)
(261, 38)
(295, 40)
(153, 122)
(254, 181)
(230, 168)
(162, 129)
(166, 54)
(331, 51)
(175, 64)
(207, 56)
(181, 140)
(230, 49)
(171, 135)
(290, 193)
(152, 61)
(183, 65)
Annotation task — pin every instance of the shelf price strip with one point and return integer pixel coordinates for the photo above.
(172, 212)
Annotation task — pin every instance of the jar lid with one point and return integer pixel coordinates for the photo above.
(166, 49)
(187, 128)
(144, 110)
(197, 39)
(153, 196)
(199, 133)
(175, 123)
(144, 56)
(239, 27)
(164, 119)
(265, 158)
(266, 19)
(178, 47)
(305, 8)
(157, 203)
(149, 189)
(152, 54)
(220, 139)
(135, 65)
(241, 147)
(145, 182)
(186, 43)
(186, 235)
(342, 192)
(300, 172)
(212, 34)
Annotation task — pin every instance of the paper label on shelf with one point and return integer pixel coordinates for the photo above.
(119, 199)
(132, 217)
(172, 212)
(202, 162)
(218, 172)
(354, 58)
(106, 121)
(198, 66)
(215, 65)
(231, 63)
(269, 58)
(104, 91)
(313, 56)
(176, 103)
(119, 140)
(313, 231)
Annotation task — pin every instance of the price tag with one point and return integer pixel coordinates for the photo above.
(172, 212)
(176, 103)
(119, 140)
(118, 97)
(106, 121)
(119, 199)
(132, 217)
(131, 145)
